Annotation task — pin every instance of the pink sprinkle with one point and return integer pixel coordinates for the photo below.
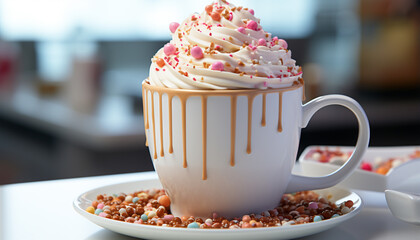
(224, 38)
(253, 48)
(100, 206)
(217, 66)
(169, 49)
(265, 84)
(173, 26)
(163, 69)
(251, 11)
(210, 34)
(313, 205)
(194, 79)
(299, 73)
(261, 42)
(168, 217)
(102, 214)
(176, 59)
(252, 25)
(283, 43)
(197, 52)
(230, 55)
(275, 39)
(366, 166)
(157, 69)
(230, 16)
(250, 76)
(241, 30)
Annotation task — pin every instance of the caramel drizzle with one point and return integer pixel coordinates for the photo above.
(279, 125)
(144, 94)
(204, 129)
(233, 99)
(153, 125)
(185, 94)
(171, 149)
(161, 125)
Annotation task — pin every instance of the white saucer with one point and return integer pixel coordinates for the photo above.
(155, 232)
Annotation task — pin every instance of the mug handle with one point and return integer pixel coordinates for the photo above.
(302, 183)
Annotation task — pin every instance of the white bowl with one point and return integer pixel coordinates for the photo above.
(366, 180)
(404, 206)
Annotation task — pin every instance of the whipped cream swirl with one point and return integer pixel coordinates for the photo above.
(224, 47)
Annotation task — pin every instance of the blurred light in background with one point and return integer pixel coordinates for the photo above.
(47, 20)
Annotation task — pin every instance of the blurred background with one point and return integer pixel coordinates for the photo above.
(71, 72)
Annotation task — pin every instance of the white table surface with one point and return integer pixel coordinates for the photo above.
(43, 210)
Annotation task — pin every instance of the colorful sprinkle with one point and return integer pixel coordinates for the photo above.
(160, 62)
(313, 205)
(366, 166)
(209, 9)
(173, 26)
(169, 49)
(335, 215)
(251, 11)
(241, 30)
(164, 201)
(215, 16)
(283, 43)
(100, 206)
(193, 225)
(102, 214)
(197, 52)
(90, 209)
(317, 218)
(253, 25)
(261, 42)
(97, 211)
(144, 217)
(217, 66)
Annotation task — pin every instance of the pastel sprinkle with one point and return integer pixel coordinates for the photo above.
(252, 25)
(168, 217)
(173, 26)
(90, 209)
(144, 217)
(193, 225)
(169, 49)
(217, 66)
(261, 42)
(251, 11)
(136, 199)
(283, 43)
(102, 214)
(100, 206)
(197, 52)
(335, 215)
(317, 218)
(241, 30)
(313, 205)
(98, 211)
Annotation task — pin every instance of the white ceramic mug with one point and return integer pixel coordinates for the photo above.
(232, 151)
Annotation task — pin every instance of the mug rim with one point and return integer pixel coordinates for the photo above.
(295, 85)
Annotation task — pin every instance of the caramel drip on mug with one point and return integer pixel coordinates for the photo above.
(171, 149)
(185, 94)
(264, 103)
(250, 101)
(153, 125)
(161, 125)
(279, 126)
(147, 110)
(184, 128)
(145, 113)
(232, 129)
(204, 129)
